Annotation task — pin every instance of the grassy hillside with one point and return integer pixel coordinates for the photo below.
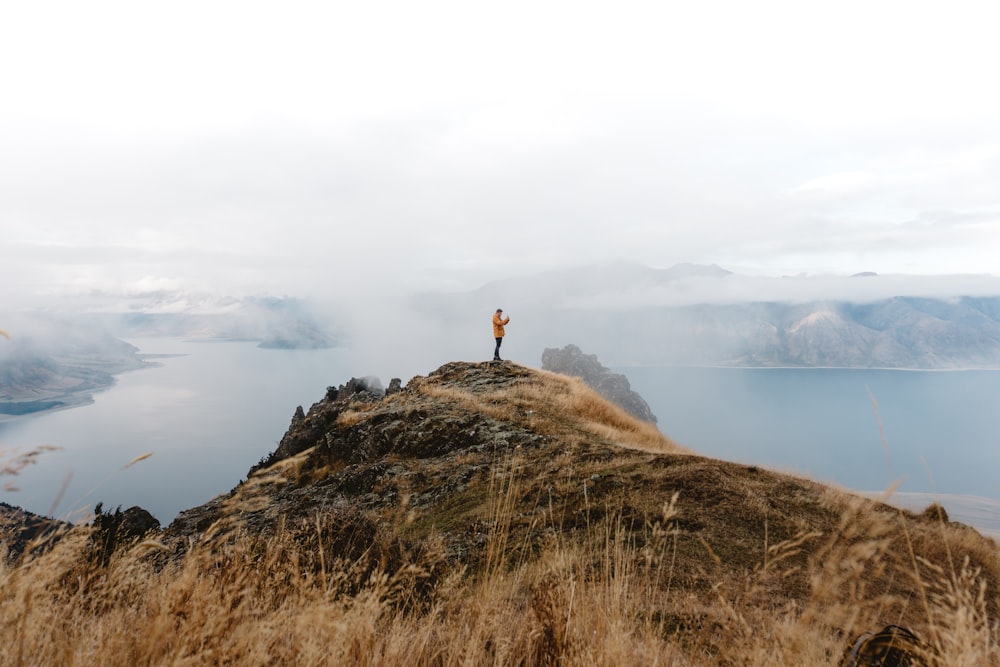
(495, 514)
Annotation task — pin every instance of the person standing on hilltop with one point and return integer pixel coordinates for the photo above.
(498, 324)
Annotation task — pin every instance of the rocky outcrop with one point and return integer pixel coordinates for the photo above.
(23, 533)
(21, 530)
(479, 469)
(305, 430)
(436, 472)
(118, 529)
(613, 386)
(357, 457)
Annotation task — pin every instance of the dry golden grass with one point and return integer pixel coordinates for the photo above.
(349, 418)
(592, 556)
(13, 461)
(561, 406)
(606, 598)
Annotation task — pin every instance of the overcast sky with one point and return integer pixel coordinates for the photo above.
(290, 147)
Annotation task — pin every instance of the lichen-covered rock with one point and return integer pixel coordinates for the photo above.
(306, 429)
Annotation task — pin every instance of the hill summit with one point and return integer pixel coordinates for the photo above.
(431, 447)
(491, 513)
(486, 467)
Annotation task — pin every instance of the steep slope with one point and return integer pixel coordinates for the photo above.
(428, 450)
(495, 514)
(475, 453)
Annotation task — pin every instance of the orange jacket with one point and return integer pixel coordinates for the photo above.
(498, 325)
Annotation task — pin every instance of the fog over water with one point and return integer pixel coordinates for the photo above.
(940, 431)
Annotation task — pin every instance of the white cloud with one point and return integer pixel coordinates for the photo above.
(839, 184)
(256, 148)
(794, 289)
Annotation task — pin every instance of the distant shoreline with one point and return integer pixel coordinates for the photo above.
(980, 512)
(62, 402)
(964, 369)
(16, 409)
(74, 398)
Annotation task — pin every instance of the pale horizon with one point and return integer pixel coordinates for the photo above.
(321, 149)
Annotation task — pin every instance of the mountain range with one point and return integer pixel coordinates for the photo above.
(275, 322)
(58, 360)
(704, 315)
(52, 362)
(625, 313)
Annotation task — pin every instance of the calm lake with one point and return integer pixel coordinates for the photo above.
(215, 410)
(932, 431)
(207, 416)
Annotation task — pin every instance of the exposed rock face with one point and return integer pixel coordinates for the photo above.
(358, 454)
(305, 430)
(114, 530)
(18, 528)
(22, 531)
(613, 386)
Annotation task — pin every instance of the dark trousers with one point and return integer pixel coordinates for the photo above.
(496, 352)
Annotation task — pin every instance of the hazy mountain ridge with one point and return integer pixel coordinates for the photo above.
(51, 362)
(626, 313)
(275, 322)
(690, 315)
(560, 287)
(897, 333)
(902, 332)
(57, 361)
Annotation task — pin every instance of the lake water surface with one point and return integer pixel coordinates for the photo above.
(928, 431)
(210, 414)
(207, 416)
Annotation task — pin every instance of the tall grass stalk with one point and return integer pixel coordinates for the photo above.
(578, 601)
